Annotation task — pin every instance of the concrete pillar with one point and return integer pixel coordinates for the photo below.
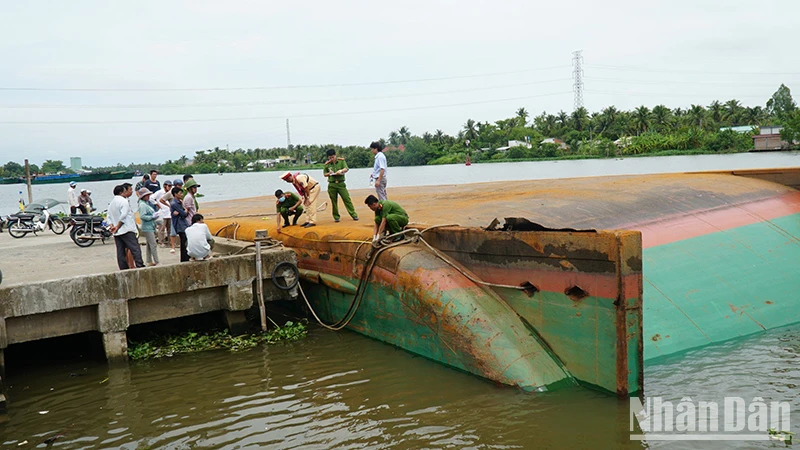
(113, 320)
(239, 296)
(237, 322)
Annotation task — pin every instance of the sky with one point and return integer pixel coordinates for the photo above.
(148, 81)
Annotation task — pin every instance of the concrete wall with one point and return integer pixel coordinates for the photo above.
(111, 302)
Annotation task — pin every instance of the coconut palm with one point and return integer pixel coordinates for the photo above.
(522, 116)
(394, 138)
(404, 134)
(733, 112)
(439, 136)
(641, 119)
(696, 116)
(427, 137)
(715, 111)
(563, 118)
(469, 130)
(662, 117)
(580, 118)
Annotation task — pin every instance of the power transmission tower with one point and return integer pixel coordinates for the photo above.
(577, 77)
(288, 136)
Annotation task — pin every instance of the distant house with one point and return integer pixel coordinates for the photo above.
(514, 144)
(769, 138)
(286, 160)
(740, 129)
(624, 141)
(561, 144)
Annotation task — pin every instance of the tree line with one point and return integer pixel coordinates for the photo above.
(609, 132)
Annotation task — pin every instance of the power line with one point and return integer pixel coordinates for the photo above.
(641, 69)
(700, 83)
(230, 119)
(264, 88)
(664, 94)
(330, 100)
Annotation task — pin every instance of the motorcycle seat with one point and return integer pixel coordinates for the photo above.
(23, 216)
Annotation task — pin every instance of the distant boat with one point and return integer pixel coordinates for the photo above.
(67, 177)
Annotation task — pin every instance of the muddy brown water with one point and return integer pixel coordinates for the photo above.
(344, 391)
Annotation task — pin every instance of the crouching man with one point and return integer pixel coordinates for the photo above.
(199, 241)
(389, 217)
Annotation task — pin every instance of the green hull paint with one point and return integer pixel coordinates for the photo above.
(464, 328)
(721, 286)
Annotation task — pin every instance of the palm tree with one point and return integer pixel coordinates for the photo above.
(439, 135)
(641, 119)
(754, 116)
(661, 117)
(522, 116)
(427, 137)
(580, 118)
(469, 130)
(733, 112)
(563, 118)
(405, 135)
(697, 115)
(394, 138)
(715, 109)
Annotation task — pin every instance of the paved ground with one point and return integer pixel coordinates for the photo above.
(47, 256)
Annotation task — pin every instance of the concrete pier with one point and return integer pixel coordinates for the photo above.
(61, 302)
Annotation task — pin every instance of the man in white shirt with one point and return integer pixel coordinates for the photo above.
(198, 239)
(123, 225)
(378, 176)
(161, 200)
(72, 198)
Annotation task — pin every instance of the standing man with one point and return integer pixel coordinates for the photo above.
(287, 203)
(179, 223)
(189, 203)
(140, 184)
(335, 168)
(389, 216)
(72, 198)
(123, 225)
(379, 170)
(308, 188)
(151, 183)
(162, 199)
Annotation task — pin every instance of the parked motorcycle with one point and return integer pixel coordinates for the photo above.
(87, 228)
(20, 224)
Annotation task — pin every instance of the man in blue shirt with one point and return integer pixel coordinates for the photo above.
(378, 177)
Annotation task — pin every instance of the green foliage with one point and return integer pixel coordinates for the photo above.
(791, 128)
(191, 342)
(52, 166)
(781, 104)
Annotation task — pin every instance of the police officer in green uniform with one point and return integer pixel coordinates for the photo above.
(389, 216)
(335, 168)
(287, 203)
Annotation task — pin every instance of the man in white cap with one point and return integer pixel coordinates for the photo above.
(72, 198)
(308, 188)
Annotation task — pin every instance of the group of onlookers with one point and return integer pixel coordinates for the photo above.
(165, 213)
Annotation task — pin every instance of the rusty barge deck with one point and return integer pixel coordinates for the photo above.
(631, 268)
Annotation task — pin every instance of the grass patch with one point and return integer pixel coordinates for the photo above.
(191, 342)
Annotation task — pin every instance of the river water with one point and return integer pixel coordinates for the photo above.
(238, 185)
(344, 391)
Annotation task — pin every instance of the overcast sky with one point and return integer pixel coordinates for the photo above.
(326, 67)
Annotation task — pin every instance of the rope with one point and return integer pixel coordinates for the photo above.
(406, 237)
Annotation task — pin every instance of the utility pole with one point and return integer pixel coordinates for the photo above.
(577, 77)
(28, 181)
(288, 136)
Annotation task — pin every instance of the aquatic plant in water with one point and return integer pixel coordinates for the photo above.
(190, 342)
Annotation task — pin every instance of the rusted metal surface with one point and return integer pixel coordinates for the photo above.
(740, 227)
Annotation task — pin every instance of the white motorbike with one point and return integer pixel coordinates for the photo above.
(20, 224)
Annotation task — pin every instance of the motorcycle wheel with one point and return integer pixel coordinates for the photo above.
(57, 225)
(82, 242)
(17, 229)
